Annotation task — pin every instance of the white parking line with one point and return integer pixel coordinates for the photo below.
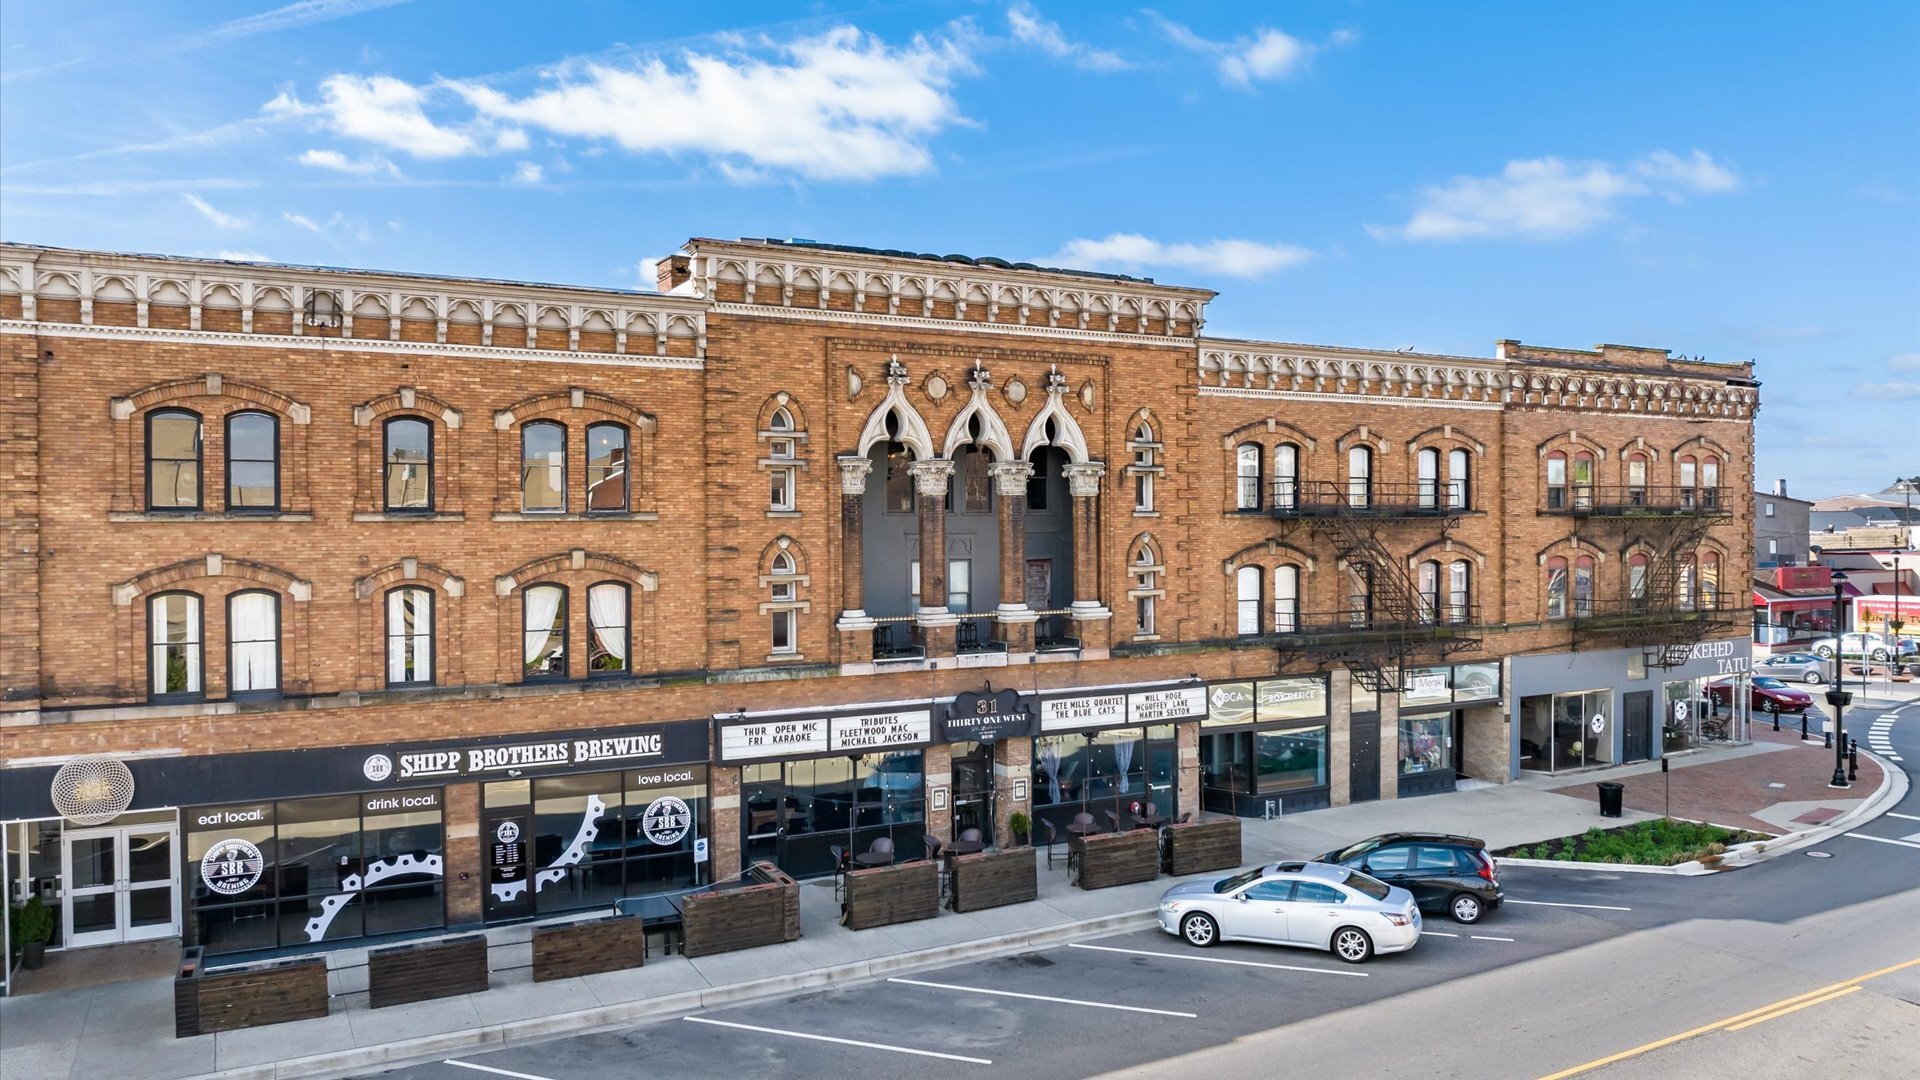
(1043, 997)
(491, 1069)
(1482, 937)
(842, 1042)
(1436, 933)
(1884, 840)
(1548, 903)
(1904, 817)
(1216, 960)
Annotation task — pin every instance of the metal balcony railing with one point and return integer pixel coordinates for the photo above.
(1631, 500)
(1630, 613)
(1375, 500)
(895, 637)
(974, 634)
(1052, 632)
(1362, 622)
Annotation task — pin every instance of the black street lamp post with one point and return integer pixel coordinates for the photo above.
(1896, 624)
(1839, 696)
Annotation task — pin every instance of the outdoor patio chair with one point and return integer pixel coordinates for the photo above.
(932, 843)
(971, 836)
(1053, 837)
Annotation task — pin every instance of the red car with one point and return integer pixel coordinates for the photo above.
(1770, 695)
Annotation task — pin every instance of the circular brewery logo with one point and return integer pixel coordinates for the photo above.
(1598, 723)
(378, 767)
(667, 820)
(231, 867)
(1680, 711)
(507, 833)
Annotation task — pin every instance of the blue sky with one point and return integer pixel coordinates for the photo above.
(1726, 180)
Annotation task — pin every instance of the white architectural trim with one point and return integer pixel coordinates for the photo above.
(1354, 399)
(913, 428)
(927, 322)
(993, 430)
(1067, 433)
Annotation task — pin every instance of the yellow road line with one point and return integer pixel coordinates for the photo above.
(1777, 1007)
(1793, 1008)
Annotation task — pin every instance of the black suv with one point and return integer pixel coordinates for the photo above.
(1446, 873)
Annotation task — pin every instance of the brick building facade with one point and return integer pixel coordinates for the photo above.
(474, 600)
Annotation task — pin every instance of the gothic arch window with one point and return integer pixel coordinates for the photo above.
(1145, 468)
(781, 435)
(173, 459)
(1148, 573)
(783, 579)
(253, 462)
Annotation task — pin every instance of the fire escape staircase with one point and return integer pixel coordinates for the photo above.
(1665, 622)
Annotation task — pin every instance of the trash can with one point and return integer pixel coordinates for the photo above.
(1610, 795)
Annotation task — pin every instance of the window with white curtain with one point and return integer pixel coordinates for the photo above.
(1286, 599)
(1247, 589)
(1459, 590)
(1360, 477)
(607, 605)
(253, 642)
(1286, 476)
(173, 654)
(1246, 470)
(410, 636)
(1429, 585)
(544, 637)
(1459, 479)
(1428, 466)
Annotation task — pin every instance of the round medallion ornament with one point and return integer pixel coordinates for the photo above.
(231, 867)
(377, 767)
(1016, 391)
(92, 790)
(666, 820)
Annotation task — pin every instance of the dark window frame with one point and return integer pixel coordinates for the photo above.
(199, 638)
(279, 648)
(433, 626)
(199, 462)
(593, 638)
(387, 463)
(626, 468)
(562, 486)
(565, 620)
(273, 419)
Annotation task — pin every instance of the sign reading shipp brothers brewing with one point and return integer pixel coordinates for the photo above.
(506, 757)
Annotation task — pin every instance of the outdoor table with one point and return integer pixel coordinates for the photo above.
(966, 847)
(874, 858)
(662, 910)
(1084, 830)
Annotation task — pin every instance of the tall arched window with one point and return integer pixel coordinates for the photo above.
(1583, 586)
(173, 460)
(175, 666)
(1556, 481)
(1286, 476)
(410, 636)
(1686, 579)
(1360, 477)
(253, 642)
(1286, 599)
(1637, 580)
(408, 454)
(1709, 580)
(1459, 591)
(544, 636)
(1247, 590)
(543, 467)
(1689, 479)
(1709, 481)
(607, 472)
(1582, 480)
(1246, 471)
(1428, 580)
(1146, 581)
(1427, 465)
(1143, 468)
(1360, 594)
(1459, 479)
(1556, 588)
(1636, 479)
(785, 589)
(253, 462)
(607, 617)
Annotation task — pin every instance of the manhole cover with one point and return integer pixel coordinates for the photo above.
(1819, 854)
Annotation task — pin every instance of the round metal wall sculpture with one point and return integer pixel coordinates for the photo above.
(92, 790)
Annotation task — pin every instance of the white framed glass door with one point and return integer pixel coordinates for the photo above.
(122, 884)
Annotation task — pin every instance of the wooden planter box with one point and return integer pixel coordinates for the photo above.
(763, 910)
(1199, 846)
(205, 1002)
(610, 943)
(427, 970)
(1109, 859)
(885, 895)
(993, 878)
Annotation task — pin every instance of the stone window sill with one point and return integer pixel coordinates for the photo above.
(633, 516)
(405, 515)
(203, 515)
(1146, 513)
(783, 513)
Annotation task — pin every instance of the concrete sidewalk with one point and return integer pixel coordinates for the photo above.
(126, 1029)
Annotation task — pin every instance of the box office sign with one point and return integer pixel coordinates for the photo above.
(816, 735)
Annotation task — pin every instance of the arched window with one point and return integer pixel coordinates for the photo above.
(781, 420)
(1427, 464)
(1246, 471)
(1686, 584)
(543, 467)
(1360, 477)
(785, 636)
(1709, 580)
(253, 462)
(408, 455)
(1146, 580)
(1689, 479)
(1459, 479)
(253, 642)
(410, 636)
(1556, 588)
(1556, 481)
(1583, 586)
(1710, 481)
(174, 664)
(607, 473)
(1637, 580)
(1428, 581)
(1636, 479)
(1360, 594)
(1459, 592)
(1286, 476)
(1144, 461)
(607, 607)
(1247, 592)
(544, 636)
(173, 460)
(1582, 480)
(1286, 599)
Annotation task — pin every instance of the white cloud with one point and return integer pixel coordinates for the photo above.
(1894, 390)
(1548, 198)
(1266, 55)
(339, 162)
(1233, 258)
(527, 173)
(1030, 28)
(383, 110)
(648, 271)
(303, 13)
(219, 218)
(1906, 361)
(301, 220)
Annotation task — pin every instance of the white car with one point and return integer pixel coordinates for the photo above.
(1875, 647)
(1308, 905)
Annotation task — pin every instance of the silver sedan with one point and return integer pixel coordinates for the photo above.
(1310, 905)
(1796, 667)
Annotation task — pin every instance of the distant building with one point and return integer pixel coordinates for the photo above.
(1892, 506)
(1780, 528)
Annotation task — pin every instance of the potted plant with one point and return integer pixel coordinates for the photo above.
(32, 929)
(1019, 824)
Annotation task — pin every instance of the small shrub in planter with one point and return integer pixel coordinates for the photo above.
(1020, 825)
(32, 929)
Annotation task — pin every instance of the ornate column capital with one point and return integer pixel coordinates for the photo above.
(1083, 479)
(1010, 477)
(853, 473)
(930, 477)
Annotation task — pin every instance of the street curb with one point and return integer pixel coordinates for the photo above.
(342, 1063)
(1892, 789)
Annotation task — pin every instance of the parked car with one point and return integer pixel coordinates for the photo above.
(1307, 905)
(1804, 667)
(1444, 872)
(1875, 647)
(1769, 695)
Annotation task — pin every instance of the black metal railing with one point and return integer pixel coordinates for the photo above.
(1632, 500)
(1631, 612)
(1361, 621)
(974, 634)
(895, 637)
(1368, 499)
(1052, 632)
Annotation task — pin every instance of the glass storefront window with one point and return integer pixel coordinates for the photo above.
(1427, 686)
(1566, 731)
(1680, 714)
(1476, 682)
(1424, 742)
(796, 812)
(1097, 772)
(1290, 760)
(1290, 699)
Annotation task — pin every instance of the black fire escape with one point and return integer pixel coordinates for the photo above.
(1665, 614)
(1386, 621)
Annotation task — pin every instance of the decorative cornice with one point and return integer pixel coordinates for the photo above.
(1370, 399)
(919, 322)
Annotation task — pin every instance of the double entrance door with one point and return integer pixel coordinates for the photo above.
(122, 884)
